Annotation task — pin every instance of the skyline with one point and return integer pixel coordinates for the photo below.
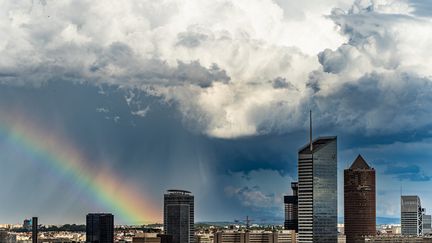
(207, 96)
(20, 130)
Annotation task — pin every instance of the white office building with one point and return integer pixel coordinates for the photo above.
(411, 216)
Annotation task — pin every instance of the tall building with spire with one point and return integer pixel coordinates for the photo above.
(359, 201)
(317, 190)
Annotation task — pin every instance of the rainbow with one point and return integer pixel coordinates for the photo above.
(102, 184)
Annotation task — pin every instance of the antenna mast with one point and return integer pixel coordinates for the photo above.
(310, 131)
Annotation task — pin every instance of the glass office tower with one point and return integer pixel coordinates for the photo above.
(317, 192)
(179, 216)
(100, 228)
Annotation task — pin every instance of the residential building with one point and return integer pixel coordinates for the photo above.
(255, 236)
(397, 239)
(6, 237)
(146, 238)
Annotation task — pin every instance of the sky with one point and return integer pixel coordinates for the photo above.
(104, 105)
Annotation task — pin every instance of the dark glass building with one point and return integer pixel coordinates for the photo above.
(35, 229)
(100, 228)
(179, 216)
(359, 201)
(165, 238)
(291, 209)
(317, 191)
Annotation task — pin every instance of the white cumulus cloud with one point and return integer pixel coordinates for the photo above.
(234, 68)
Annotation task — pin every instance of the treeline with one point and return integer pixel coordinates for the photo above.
(66, 227)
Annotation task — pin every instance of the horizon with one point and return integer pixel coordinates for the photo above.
(383, 221)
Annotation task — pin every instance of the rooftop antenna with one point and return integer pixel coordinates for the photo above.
(310, 131)
(248, 221)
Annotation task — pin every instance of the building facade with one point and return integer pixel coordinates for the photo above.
(359, 201)
(179, 216)
(151, 238)
(411, 216)
(427, 224)
(397, 239)
(291, 209)
(6, 237)
(100, 228)
(283, 236)
(146, 238)
(317, 191)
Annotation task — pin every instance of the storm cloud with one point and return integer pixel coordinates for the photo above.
(215, 64)
(225, 84)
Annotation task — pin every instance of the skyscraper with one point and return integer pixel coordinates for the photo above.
(411, 216)
(291, 209)
(100, 228)
(35, 230)
(317, 192)
(179, 216)
(359, 200)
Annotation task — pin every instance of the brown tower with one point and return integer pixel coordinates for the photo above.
(359, 198)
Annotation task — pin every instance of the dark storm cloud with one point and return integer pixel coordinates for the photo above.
(408, 172)
(376, 104)
(111, 64)
(156, 72)
(216, 64)
(376, 92)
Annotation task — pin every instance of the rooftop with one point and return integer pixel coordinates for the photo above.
(317, 144)
(176, 191)
(360, 164)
